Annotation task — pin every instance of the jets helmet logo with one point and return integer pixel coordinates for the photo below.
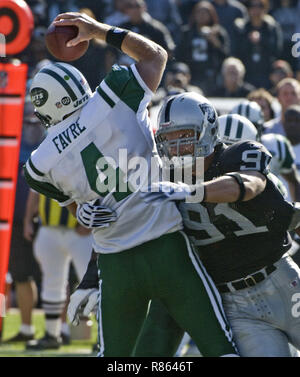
(207, 109)
(39, 96)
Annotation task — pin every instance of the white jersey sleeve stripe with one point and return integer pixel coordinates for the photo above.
(140, 80)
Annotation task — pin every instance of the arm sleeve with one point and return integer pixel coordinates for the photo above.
(38, 182)
(125, 84)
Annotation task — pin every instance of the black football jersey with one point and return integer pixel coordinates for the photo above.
(237, 239)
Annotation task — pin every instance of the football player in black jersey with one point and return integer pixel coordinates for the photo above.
(239, 229)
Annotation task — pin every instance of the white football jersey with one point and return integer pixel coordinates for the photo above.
(90, 154)
(283, 156)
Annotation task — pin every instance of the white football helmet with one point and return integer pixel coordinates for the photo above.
(187, 111)
(57, 90)
(252, 111)
(234, 127)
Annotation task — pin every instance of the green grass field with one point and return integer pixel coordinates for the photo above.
(11, 325)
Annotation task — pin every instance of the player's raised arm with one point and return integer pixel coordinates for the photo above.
(150, 56)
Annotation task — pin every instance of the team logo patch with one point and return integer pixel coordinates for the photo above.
(58, 105)
(38, 96)
(66, 101)
(206, 108)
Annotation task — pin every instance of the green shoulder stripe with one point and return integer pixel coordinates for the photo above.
(44, 188)
(34, 169)
(289, 156)
(106, 98)
(124, 84)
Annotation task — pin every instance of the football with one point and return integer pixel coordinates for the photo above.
(56, 39)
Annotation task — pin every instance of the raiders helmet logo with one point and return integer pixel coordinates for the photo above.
(206, 108)
(38, 96)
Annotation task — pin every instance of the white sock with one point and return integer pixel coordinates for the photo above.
(53, 326)
(27, 329)
(65, 328)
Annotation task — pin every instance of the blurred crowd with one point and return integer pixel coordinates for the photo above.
(220, 48)
(201, 34)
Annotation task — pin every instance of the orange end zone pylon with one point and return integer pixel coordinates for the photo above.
(16, 25)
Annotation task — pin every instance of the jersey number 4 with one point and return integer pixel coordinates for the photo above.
(103, 175)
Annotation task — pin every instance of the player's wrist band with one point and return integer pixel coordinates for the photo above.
(115, 37)
(241, 184)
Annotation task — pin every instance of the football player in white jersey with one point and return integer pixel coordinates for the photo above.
(92, 152)
(283, 156)
(235, 127)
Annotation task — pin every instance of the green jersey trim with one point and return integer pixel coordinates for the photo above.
(289, 156)
(106, 98)
(122, 81)
(35, 170)
(44, 188)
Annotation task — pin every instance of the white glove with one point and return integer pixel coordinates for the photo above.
(165, 191)
(94, 216)
(82, 298)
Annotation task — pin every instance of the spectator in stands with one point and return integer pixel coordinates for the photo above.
(204, 45)
(291, 125)
(39, 11)
(288, 94)
(292, 128)
(36, 50)
(233, 84)
(228, 11)
(56, 7)
(100, 8)
(176, 80)
(141, 22)
(22, 265)
(288, 19)
(166, 11)
(118, 16)
(185, 8)
(265, 100)
(258, 42)
(280, 70)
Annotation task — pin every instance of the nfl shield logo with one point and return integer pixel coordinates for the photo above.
(3, 79)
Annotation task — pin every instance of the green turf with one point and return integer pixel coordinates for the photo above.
(10, 328)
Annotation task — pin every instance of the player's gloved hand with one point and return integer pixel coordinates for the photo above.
(165, 191)
(95, 215)
(85, 299)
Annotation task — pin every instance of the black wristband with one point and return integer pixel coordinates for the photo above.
(115, 37)
(241, 184)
